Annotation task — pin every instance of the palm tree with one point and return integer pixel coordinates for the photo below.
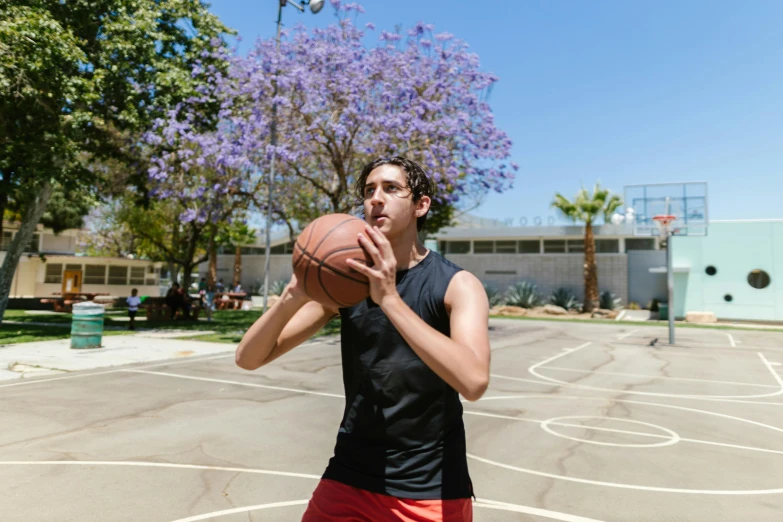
(588, 208)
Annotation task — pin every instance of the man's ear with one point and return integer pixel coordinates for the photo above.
(423, 206)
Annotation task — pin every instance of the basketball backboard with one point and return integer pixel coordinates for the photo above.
(686, 201)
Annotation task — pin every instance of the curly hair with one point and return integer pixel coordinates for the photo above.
(419, 182)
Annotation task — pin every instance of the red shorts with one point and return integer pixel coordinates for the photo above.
(336, 502)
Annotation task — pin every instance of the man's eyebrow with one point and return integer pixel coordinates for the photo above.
(388, 181)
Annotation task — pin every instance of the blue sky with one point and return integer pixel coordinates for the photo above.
(613, 91)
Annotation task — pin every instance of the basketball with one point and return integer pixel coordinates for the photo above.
(319, 259)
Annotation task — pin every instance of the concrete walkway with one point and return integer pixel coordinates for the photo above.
(35, 359)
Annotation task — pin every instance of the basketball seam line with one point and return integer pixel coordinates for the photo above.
(307, 269)
(330, 267)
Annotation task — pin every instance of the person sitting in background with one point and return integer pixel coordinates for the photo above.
(208, 301)
(175, 299)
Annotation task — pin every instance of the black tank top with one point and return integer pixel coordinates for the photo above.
(402, 432)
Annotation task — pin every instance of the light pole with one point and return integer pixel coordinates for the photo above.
(315, 7)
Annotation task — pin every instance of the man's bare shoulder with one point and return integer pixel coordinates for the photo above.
(465, 286)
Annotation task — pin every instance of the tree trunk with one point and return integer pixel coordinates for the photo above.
(5, 188)
(31, 218)
(212, 272)
(187, 276)
(237, 265)
(591, 271)
(173, 271)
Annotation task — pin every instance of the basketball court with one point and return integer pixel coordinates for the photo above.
(580, 422)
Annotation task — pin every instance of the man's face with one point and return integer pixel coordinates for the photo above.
(388, 202)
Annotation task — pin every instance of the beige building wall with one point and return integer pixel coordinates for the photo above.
(547, 271)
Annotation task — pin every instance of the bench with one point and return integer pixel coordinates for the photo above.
(62, 305)
(157, 310)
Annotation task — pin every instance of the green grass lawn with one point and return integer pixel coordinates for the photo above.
(28, 333)
(228, 326)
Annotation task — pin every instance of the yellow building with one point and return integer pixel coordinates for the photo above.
(51, 263)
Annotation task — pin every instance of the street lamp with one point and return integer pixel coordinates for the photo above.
(315, 7)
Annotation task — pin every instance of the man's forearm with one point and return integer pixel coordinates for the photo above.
(456, 364)
(261, 338)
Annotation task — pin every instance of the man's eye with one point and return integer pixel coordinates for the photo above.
(368, 192)
(391, 188)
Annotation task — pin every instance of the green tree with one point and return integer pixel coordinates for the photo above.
(588, 208)
(79, 82)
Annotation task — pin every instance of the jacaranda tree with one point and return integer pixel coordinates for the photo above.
(339, 104)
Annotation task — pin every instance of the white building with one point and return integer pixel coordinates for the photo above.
(550, 256)
(51, 263)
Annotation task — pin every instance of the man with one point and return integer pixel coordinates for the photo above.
(408, 351)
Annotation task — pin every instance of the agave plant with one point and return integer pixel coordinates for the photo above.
(609, 301)
(566, 299)
(277, 287)
(493, 295)
(523, 294)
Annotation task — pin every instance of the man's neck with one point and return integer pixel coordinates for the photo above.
(408, 251)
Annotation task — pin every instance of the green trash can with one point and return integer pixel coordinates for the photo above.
(663, 311)
(87, 325)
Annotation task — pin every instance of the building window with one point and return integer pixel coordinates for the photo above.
(54, 273)
(118, 275)
(151, 269)
(529, 247)
(94, 274)
(73, 267)
(277, 249)
(639, 243)
(136, 275)
(576, 246)
(505, 247)
(483, 247)
(607, 246)
(33, 245)
(457, 247)
(6, 241)
(758, 279)
(554, 246)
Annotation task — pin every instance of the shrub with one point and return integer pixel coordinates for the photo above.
(277, 287)
(523, 294)
(609, 301)
(634, 306)
(565, 298)
(493, 295)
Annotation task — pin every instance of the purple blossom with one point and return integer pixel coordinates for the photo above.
(420, 97)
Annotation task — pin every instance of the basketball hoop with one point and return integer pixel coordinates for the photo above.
(664, 223)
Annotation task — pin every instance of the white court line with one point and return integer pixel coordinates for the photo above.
(482, 503)
(731, 341)
(165, 363)
(245, 509)
(629, 486)
(225, 381)
(529, 510)
(628, 333)
(137, 463)
(532, 370)
(633, 486)
(626, 432)
(574, 370)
